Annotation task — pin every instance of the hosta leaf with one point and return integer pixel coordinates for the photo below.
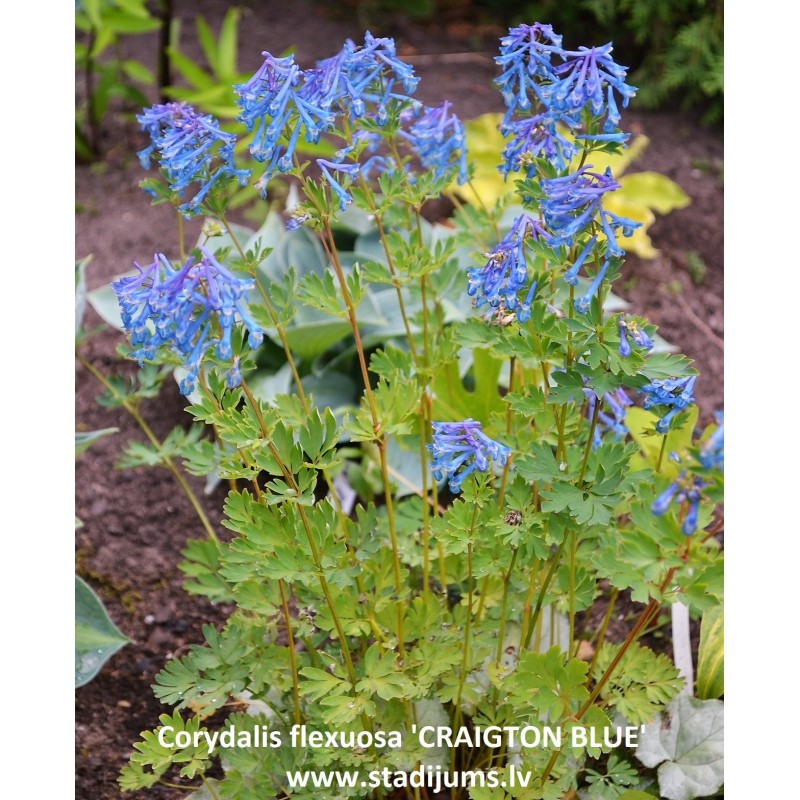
(711, 655)
(653, 190)
(96, 636)
(85, 439)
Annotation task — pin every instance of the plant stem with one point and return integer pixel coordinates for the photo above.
(526, 640)
(154, 440)
(292, 654)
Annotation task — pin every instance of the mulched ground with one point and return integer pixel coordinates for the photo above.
(137, 522)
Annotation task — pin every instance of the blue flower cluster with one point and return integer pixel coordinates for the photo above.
(438, 139)
(505, 273)
(191, 149)
(631, 331)
(573, 201)
(458, 445)
(712, 450)
(684, 490)
(675, 393)
(565, 83)
(191, 309)
(281, 101)
(613, 422)
(569, 87)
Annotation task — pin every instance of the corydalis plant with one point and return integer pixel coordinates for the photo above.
(462, 607)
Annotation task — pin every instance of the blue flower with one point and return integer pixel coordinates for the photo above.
(506, 271)
(525, 55)
(582, 303)
(683, 490)
(629, 329)
(613, 422)
(191, 149)
(346, 169)
(281, 101)
(438, 139)
(192, 310)
(712, 450)
(675, 393)
(589, 77)
(572, 202)
(460, 448)
(533, 137)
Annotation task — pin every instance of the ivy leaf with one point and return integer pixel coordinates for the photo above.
(687, 743)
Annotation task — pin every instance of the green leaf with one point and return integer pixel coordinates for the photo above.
(85, 439)
(227, 45)
(711, 655)
(642, 683)
(137, 71)
(687, 743)
(96, 636)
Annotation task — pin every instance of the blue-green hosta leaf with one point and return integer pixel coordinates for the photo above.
(80, 290)
(265, 384)
(687, 747)
(85, 439)
(104, 302)
(405, 466)
(96, 636)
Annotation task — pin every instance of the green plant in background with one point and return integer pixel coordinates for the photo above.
(639, 196)
(683, 44)
(105, 73)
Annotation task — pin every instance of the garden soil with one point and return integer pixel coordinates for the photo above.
(137, 522)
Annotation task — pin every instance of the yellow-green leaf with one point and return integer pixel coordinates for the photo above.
(711, 655)
(642, 423)
(653, 190)
(618, 203)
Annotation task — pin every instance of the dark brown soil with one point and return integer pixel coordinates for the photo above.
(137, 522)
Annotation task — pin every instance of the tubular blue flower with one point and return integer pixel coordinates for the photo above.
(573, 201)
(281, 102)
(616, 401)
(460, 448)
(675, 393)
(506, 271)
(629, 329)
(571, 275)
(585, 78)
(191, 149)
(438, 139)
(192, 310)
(347, 169)
(684, 490)
(582, 303)
(712, 450)
(525, 55)
(534, 137)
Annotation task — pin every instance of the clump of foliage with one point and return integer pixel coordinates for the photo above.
(503, 473)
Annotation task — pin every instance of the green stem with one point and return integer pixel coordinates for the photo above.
(661, 454)
(526, 640)
(292, 655)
